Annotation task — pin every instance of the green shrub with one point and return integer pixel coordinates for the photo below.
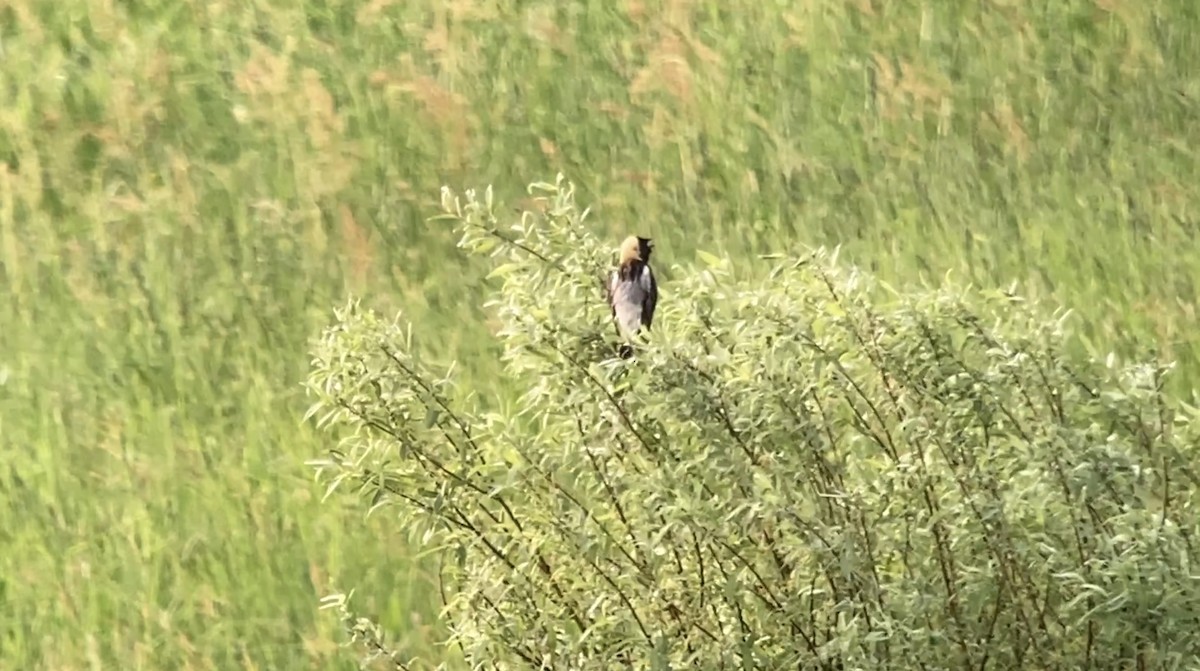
(804, 471)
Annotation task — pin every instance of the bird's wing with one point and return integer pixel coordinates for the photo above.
(628, 298)
(649, 295)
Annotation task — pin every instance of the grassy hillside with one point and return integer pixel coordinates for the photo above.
(187, 188)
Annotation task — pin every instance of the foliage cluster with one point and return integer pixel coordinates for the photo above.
(805, 470)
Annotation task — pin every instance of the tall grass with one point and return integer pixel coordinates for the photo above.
(186, 189)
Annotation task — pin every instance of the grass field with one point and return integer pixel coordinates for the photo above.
(188, 188)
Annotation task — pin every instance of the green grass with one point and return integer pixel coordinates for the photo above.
(187, 189)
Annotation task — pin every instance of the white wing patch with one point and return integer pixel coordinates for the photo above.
(646, 281)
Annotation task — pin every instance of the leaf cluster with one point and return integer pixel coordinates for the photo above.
(803, 470)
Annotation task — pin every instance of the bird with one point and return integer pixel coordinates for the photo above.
(632, 290)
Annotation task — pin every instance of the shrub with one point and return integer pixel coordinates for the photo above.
(805, 470)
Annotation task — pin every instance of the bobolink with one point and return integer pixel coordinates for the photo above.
(632, 290)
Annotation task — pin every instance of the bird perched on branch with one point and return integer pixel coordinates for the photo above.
(632, 290)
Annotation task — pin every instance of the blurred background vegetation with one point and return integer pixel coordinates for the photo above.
(187, 189)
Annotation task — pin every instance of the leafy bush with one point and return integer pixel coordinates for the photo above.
(804, 471)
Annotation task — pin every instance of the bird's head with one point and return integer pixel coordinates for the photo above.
(636, 248)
